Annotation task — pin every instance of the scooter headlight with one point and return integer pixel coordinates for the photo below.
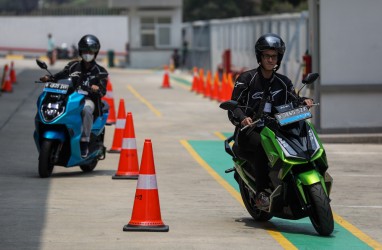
(51, 111)
(286, 148)
(315, 146)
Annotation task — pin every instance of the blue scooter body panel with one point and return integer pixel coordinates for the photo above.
(68, 126)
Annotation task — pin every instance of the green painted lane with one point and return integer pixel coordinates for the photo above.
(181, 80)
(299, 232)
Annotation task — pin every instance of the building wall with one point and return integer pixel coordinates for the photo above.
(146, 3)
(114, 32)
(30, 32)
(162, 54)
(158, 56)
(350, 53)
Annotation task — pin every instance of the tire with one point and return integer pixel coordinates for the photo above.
(45, 160)
(89, 167)
(321, 214)
(248, 197)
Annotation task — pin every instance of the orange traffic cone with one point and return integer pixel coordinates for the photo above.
(195, 80)
(230, 86)
(13, 73)
(128, 160)
(6, 85)
(208, 87)
(119, 127)
(109, 98)
(146, 214)
(200, 89)
(215, 89)
(166, 78)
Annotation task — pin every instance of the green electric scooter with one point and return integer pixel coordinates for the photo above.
(300, 184)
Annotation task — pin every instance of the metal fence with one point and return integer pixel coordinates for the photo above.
(209, 39)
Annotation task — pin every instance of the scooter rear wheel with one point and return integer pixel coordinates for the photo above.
(248, 197)
(46, 158)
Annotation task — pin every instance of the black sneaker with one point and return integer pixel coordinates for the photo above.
(262, 200)
(84, 149)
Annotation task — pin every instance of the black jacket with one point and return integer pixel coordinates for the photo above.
(249, 90)
(81, 76)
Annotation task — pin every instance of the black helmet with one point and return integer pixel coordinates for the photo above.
(89, 43)
(270, 41)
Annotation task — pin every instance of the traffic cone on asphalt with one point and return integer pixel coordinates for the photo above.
(13, 74)
(146, 215)
(215, 89)
(208, 87)
(6, 85)
(166, 78)
(224, 88)
(109, 98)
(200, 89)
(195, 80)
(128, 160)
(119, 127)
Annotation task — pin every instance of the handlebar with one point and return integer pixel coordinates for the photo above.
(266, 116)
(250, 125)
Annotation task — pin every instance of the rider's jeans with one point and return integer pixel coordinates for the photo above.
(87, 120)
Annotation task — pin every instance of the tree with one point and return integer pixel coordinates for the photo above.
(209, 9)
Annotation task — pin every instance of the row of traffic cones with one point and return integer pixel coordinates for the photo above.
(215, 89)
(146, 215)
(8, 78)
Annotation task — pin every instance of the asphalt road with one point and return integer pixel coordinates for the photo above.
(74, 210)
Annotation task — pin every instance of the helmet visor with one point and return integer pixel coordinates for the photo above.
(92, 48)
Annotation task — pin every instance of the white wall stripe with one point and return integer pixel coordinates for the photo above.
(129, 143)
(120, 123)
(147, 181)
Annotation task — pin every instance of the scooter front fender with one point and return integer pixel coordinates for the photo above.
(54, 135)
(309, 178)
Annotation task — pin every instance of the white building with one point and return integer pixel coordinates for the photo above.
(154, 31)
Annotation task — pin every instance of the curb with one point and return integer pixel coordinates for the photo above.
(351, 138)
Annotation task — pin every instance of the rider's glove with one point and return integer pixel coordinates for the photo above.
(46, 78)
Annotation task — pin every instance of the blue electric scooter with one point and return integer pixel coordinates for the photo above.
(58, 125)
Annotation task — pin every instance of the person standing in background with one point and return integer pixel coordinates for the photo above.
(127, 53)
(175, 59)
(50, 51)
(184, 53)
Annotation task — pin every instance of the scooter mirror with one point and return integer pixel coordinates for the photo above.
(41, 64)
(228, 105)
(310, 78)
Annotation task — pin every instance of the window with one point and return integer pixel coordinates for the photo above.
(155, 31)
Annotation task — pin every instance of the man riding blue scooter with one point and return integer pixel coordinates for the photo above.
(88, 47)
(85, 85)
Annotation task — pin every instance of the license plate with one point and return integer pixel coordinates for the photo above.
(293, 115)
(58, 88)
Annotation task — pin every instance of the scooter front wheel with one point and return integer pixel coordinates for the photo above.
(321, 214)
(46, 158)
